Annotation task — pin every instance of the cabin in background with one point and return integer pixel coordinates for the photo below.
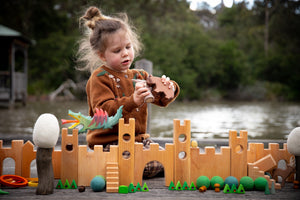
(13, 67)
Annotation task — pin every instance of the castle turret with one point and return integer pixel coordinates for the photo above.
(238, 146)
(182, 138)
(69, 155)
(126, 151)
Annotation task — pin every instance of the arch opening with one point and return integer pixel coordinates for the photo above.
(33, 169)
(9, 166)
(153, 169)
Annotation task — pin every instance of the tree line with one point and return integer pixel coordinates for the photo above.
(232, 53)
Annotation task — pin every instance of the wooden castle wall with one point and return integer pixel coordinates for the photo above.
(92, 163)
(257, 151)
(210, 163)
(75, 162)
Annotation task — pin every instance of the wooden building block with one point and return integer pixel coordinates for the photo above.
(90, 164)
(256, 152)
(210, 163)
(112, 177)
(69, 155)
(182, 161)
(251, 153)
(56, 162)
(165, 157)
(15, 152)
(93, 163)
(266, 163)
(238, 147)
(28, 155)
(254, 173)
(126, 146)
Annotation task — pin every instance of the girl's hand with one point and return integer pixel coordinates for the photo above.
(140, 92)
(166, 80)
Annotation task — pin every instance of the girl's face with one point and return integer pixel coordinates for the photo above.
(119, 53)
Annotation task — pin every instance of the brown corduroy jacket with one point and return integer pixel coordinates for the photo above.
(108, 90)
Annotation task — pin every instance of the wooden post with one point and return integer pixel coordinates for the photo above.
(12, 76)
(297, 159)
(45, 171)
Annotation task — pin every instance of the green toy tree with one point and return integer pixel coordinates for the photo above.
(241, 189)
(178, 186)
(192, 187)
(131, 188)
(67, 184)
(138, 187)
(227, 189)
(60, 185)
(145, 188)
(172, 186)
(73, 185)
(185, 186)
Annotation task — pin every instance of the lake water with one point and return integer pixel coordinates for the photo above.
(262, 120)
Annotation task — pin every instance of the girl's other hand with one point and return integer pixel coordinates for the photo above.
(166, 80)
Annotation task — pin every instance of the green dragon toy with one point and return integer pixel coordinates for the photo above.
(99, 121)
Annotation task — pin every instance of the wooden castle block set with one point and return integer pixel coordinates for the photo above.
(181, 161)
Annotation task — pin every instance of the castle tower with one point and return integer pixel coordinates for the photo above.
(238, 147)
(182, 161)
(126, 151)
(69, 155)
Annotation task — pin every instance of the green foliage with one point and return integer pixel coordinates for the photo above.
(229, 69)
(55, 64)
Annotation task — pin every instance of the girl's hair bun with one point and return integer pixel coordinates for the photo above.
(92, 15)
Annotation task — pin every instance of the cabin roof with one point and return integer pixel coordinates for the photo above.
(5, 31)
(8, 32)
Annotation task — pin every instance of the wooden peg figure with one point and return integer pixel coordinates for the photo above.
(202, 188)
(45, 136)
(217, 187)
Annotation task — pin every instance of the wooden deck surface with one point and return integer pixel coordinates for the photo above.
(157, 190)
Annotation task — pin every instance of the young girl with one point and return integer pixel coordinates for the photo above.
(108, 51)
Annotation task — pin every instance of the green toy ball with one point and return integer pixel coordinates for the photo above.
(247, 182)
(260, 183)
(230, 180)
(98, 184)
(216, 179)
(203, 181)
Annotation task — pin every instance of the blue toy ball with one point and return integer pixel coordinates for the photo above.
(98, 184)
(230, 180)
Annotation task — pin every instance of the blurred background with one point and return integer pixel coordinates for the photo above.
(244, 53)
(241, 51)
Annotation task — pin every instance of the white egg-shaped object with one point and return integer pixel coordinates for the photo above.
(46, 131)
(293, 142)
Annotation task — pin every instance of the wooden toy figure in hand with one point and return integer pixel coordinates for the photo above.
(45, 136)
(160, 88)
